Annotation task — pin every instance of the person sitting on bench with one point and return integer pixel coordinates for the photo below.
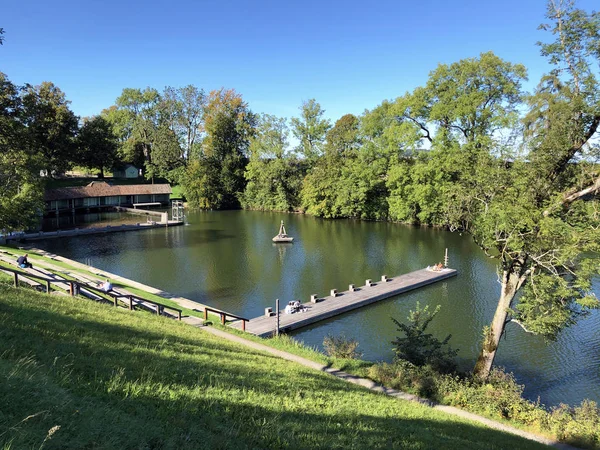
(23, 263)
(106, 286)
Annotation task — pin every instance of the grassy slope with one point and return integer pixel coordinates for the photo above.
(114, 379)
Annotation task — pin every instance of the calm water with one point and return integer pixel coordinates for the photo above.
(227, 259)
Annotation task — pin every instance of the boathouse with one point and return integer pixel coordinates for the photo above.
(100, 194)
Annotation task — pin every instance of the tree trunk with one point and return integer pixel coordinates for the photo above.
(101, 175)
(511, 282)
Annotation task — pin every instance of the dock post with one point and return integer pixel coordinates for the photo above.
(47, 286)
(334, 292)
(351, 288)
(71, 289)
(384, 278)
(446, 258)
(130, 303)
(243, 325)
(368, 283)
(205, 314)
(277, 314)
(314, 298)
(16, 280)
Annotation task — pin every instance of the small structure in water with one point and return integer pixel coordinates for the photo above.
(282, 236)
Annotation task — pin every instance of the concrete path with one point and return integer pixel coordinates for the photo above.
(371, 385)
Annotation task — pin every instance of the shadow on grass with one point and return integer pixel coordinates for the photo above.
(123, 385)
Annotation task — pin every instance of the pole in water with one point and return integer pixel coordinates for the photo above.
(277, 314)
(446, 258)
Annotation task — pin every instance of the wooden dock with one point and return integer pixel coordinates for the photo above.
(330, 306)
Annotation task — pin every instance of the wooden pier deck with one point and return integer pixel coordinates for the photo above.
(330, 306)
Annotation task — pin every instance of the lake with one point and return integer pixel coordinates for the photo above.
(226, 259)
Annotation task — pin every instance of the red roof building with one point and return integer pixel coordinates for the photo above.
(99, 194)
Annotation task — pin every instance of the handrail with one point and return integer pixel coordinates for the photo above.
(79, 285)
(224, 316)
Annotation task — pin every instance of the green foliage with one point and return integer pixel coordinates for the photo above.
(499, 398)
(97, 145)
(579, 425)
(21, 193)
(215, 179)
(343, 139)
(274, 175)
(51, 126)
(421, 348)
(166, 160)
(341, 347)
(310, 129)
(182, 110)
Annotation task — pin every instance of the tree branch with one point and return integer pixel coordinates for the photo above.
(592, 189)
(427, 134)
(562, 162)
(521, 325)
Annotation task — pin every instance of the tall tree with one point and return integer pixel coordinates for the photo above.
(274, 174)
(135, 118)
(51, 125)
(543, 224)
(229, 125)
(343, 138)
(310, 129)
(21, 193)
(97, 145)
(183, 109)
(166, 156)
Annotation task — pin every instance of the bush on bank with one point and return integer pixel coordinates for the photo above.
(500, 397)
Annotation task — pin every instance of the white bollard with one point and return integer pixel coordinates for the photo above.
(313, 298)
(334, 292)
(368, 283)
(351, 288)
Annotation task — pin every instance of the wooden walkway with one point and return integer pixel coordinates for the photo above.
(330, 306)
(88, 231)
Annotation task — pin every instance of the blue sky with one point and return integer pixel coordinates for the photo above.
(347, 55)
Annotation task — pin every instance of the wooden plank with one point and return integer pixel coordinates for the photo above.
(331, 306)
(23, 279)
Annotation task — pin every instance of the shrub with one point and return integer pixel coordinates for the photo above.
(498, 397)
(341, 347)
(579, 425)
(421, 348)
(406, 376)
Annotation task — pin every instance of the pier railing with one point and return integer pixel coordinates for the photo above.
(76, 286)
(224, 315)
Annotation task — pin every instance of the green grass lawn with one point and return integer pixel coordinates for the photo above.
(177, 191)
(107, 378)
